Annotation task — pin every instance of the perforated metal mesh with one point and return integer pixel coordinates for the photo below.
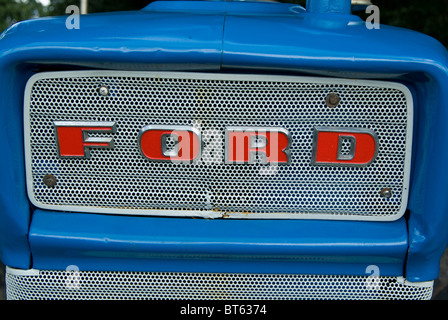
(122, 179)
(207, 286)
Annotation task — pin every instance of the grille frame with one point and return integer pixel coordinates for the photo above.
(73, 284)
(226, 77)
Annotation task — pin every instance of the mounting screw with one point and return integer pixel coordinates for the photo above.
(49, 180)
(332, 100)
(386, 193)
(104, 90)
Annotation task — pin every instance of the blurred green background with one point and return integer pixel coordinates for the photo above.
(429, 17)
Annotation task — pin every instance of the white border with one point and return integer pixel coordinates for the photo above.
(423, 284)
(36, 272)
(218, 76)
(21, 272)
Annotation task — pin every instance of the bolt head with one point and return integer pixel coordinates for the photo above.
(332, 100)
(49, 180)
(386, 193)
(104, 91)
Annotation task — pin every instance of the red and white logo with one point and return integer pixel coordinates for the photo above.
(257, 145)
(344, 146)
(243, 145)
(170, 143)
(74, 139)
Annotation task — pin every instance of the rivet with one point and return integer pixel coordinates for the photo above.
(332, 100)
(49, 180)
(386, 193)
(104, 90)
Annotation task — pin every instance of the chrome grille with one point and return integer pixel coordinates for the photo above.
(120, 180)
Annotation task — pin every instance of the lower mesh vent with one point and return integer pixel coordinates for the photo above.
(207, 286)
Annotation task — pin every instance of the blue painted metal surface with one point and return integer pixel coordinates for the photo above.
(232, 37)
(14, 207)
(225, 7)
(100, 242)
(329, 6)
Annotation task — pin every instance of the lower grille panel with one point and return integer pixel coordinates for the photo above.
(84, 285)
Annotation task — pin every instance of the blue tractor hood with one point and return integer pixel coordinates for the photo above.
(211, 35)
